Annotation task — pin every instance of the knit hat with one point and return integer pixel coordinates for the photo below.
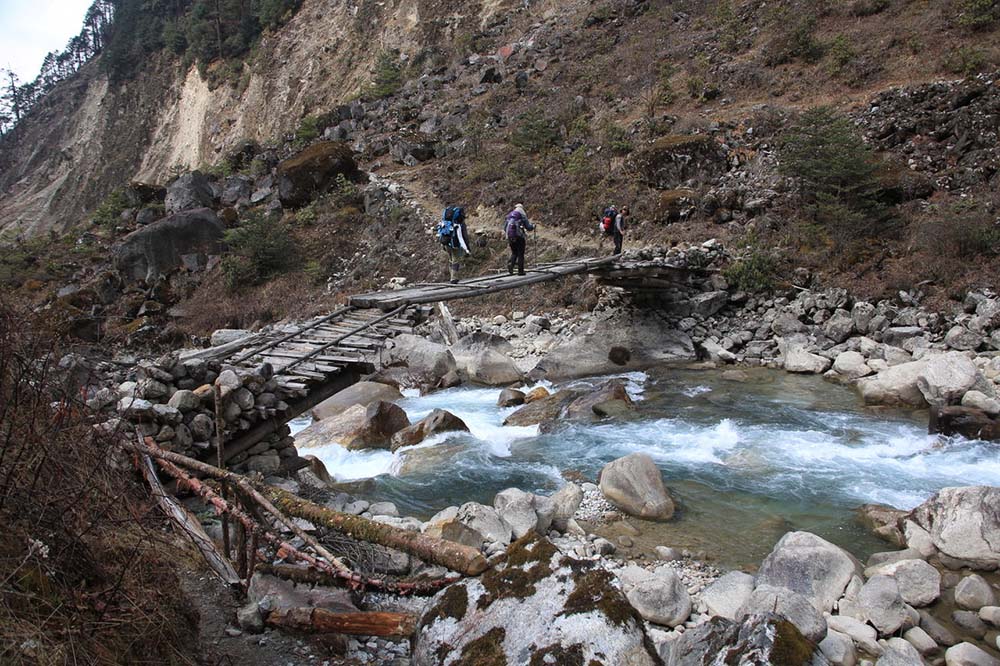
(520, 208)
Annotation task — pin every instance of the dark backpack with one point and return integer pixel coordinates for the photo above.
(512, 226)
(448, 229)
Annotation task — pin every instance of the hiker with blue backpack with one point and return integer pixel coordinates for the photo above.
(454, 238)
(516, 226)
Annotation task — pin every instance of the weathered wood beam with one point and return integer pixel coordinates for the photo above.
(322, 621)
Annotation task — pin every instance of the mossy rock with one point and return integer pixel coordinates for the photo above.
(312, 171)
(538, 606)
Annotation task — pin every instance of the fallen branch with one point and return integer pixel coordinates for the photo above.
(183, 518)
(284, 549)
(322, 621)
(454, 556)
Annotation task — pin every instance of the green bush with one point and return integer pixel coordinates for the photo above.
(259, 249)
(753, 273)
(534, 133)
(964, 60)
(616, 138)
(109, 212)
(308, 130)
(732, 28)
(842, 53)
(837, 174)
(388, 76)
(978, 14)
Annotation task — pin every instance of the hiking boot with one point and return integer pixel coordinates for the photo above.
(453, 281)
(520, 272)
(510, 270)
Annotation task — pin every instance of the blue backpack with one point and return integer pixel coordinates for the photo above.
(512, 225)
(448, 228)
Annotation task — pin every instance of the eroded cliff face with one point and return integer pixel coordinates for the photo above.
(90, 137)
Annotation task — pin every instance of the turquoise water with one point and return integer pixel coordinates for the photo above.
(746, 460)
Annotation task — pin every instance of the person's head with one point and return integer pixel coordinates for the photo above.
(624, 210)
(520, 209)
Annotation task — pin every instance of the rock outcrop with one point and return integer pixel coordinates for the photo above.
(358, 427)
(184, 239)
(312, 171)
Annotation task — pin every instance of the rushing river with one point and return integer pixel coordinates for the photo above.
(746, 460)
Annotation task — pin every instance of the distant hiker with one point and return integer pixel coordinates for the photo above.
(454, 238)
(515, 226)
(606, 224)
(618, 229)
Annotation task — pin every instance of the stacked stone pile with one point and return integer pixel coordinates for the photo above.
(172, 400)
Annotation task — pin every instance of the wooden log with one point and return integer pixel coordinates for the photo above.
(448, 554)
(454, 556)
(322, 621)
(189, 525)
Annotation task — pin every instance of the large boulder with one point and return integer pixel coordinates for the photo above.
(162, 247)
(492, 368)
(678, 159)
(946, 378)
(610, 399)
(517, 508)
(811, 566)
(851, 365)
(895, 386)
(919, 583)
(795, 607)
(964, 523)
(798, 359)
(192, 190)
(486, 521)
(437, 421)
(660, 596)
(270, 594)
(358, 427)
(541, 410)
(420, 355)
(634, 485)
(539, 607)
(728, 594)
(764, 639)
(881, 605)
(362, 393)
(648, 342)
(312, 171)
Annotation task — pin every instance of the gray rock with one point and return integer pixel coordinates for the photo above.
(964, 523)
(851, 365)
(896, 385)
(491, 368)
(990, 614)
(224, 336)
(361, 393)
(185, 401)
(727, 595)
(899, 653)
(862, 314)
(567, 501)
(979, 400)
(191, 190)
(946, 378)
(962, 339)
(510, 398)
(202, 426)
(563, 607)
(517, 509)
(839, 649)
(921, 640)
(157, 249)
(760, 640)
(798, 609)
(811, 566)
(973, 592)
(937, 631)
(708, 304)
(634, 485)
(967, 654)
(919, 583)
(864, 635)
(881, 604)
(249, 618)
(421, 355)
(660, 597)
(486, 521)
(384, 509)
(839, 326)
(969, 623)
(797, 359)
(135, 408)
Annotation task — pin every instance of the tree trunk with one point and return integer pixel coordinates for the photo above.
(454, 556)
(321, 621)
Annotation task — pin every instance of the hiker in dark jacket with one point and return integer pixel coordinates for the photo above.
(618, 230)
(515, 228)
(454, 238)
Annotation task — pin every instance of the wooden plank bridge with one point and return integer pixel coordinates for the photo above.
(313, 360)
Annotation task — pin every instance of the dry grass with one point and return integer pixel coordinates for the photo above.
(86, 575)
